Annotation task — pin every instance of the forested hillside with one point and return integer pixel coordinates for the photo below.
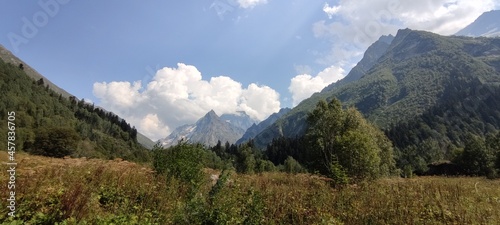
(442, 132)
(48, 123)
(418, 71)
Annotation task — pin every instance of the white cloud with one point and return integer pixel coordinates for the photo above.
(151, 125)
(250, 3)
(178, 96)
(122, 94)
(303, 86)
(330, 11)
(259, 101)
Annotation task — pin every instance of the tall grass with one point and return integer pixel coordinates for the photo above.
(80, 191)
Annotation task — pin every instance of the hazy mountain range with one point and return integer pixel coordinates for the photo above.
(209, 130)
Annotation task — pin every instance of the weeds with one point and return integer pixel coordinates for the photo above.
(80, 191)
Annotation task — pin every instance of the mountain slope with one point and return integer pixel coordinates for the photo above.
(208, 131)
(255, 129)
(40, 110)
(410, 78)
(486, 25)
(467, 111)
(8, 57)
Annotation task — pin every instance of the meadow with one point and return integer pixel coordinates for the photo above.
(95, 191)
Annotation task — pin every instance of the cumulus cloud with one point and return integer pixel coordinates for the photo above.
(250, 3)
(178, 96)
(304, 85)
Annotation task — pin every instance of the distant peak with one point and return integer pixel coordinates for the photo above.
(211, 113)
(284, 110)
(403, 31)
(386, 38)
(209, 117)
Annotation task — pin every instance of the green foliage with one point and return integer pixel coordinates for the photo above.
(245, 160)
(292, 166)
(471, 109)
(265, 166)
(55, 142)
(477, 158)
(337, 173)
(182, 161)
(346, 143)
(280, 148)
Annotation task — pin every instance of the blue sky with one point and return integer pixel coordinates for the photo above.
(94, 41)
(161, 64)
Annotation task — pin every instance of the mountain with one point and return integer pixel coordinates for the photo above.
(414, 75)
(486, 25)
(208, 131)
(257, 128)
(8, 57)
(240, 119)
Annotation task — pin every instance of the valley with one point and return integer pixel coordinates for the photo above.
(411, 135)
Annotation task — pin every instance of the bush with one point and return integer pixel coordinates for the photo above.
(183, 162)
(292, 166)
(55, 142)
(265, 166)
(338, 174)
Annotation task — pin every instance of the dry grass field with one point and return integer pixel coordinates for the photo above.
(92, 191)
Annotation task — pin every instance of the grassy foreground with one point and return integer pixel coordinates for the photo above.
(81, 191)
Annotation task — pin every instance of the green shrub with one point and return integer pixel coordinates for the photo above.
(55, 142)
(183, 162)
(338, 174)
(292, 166)
(265, 166)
